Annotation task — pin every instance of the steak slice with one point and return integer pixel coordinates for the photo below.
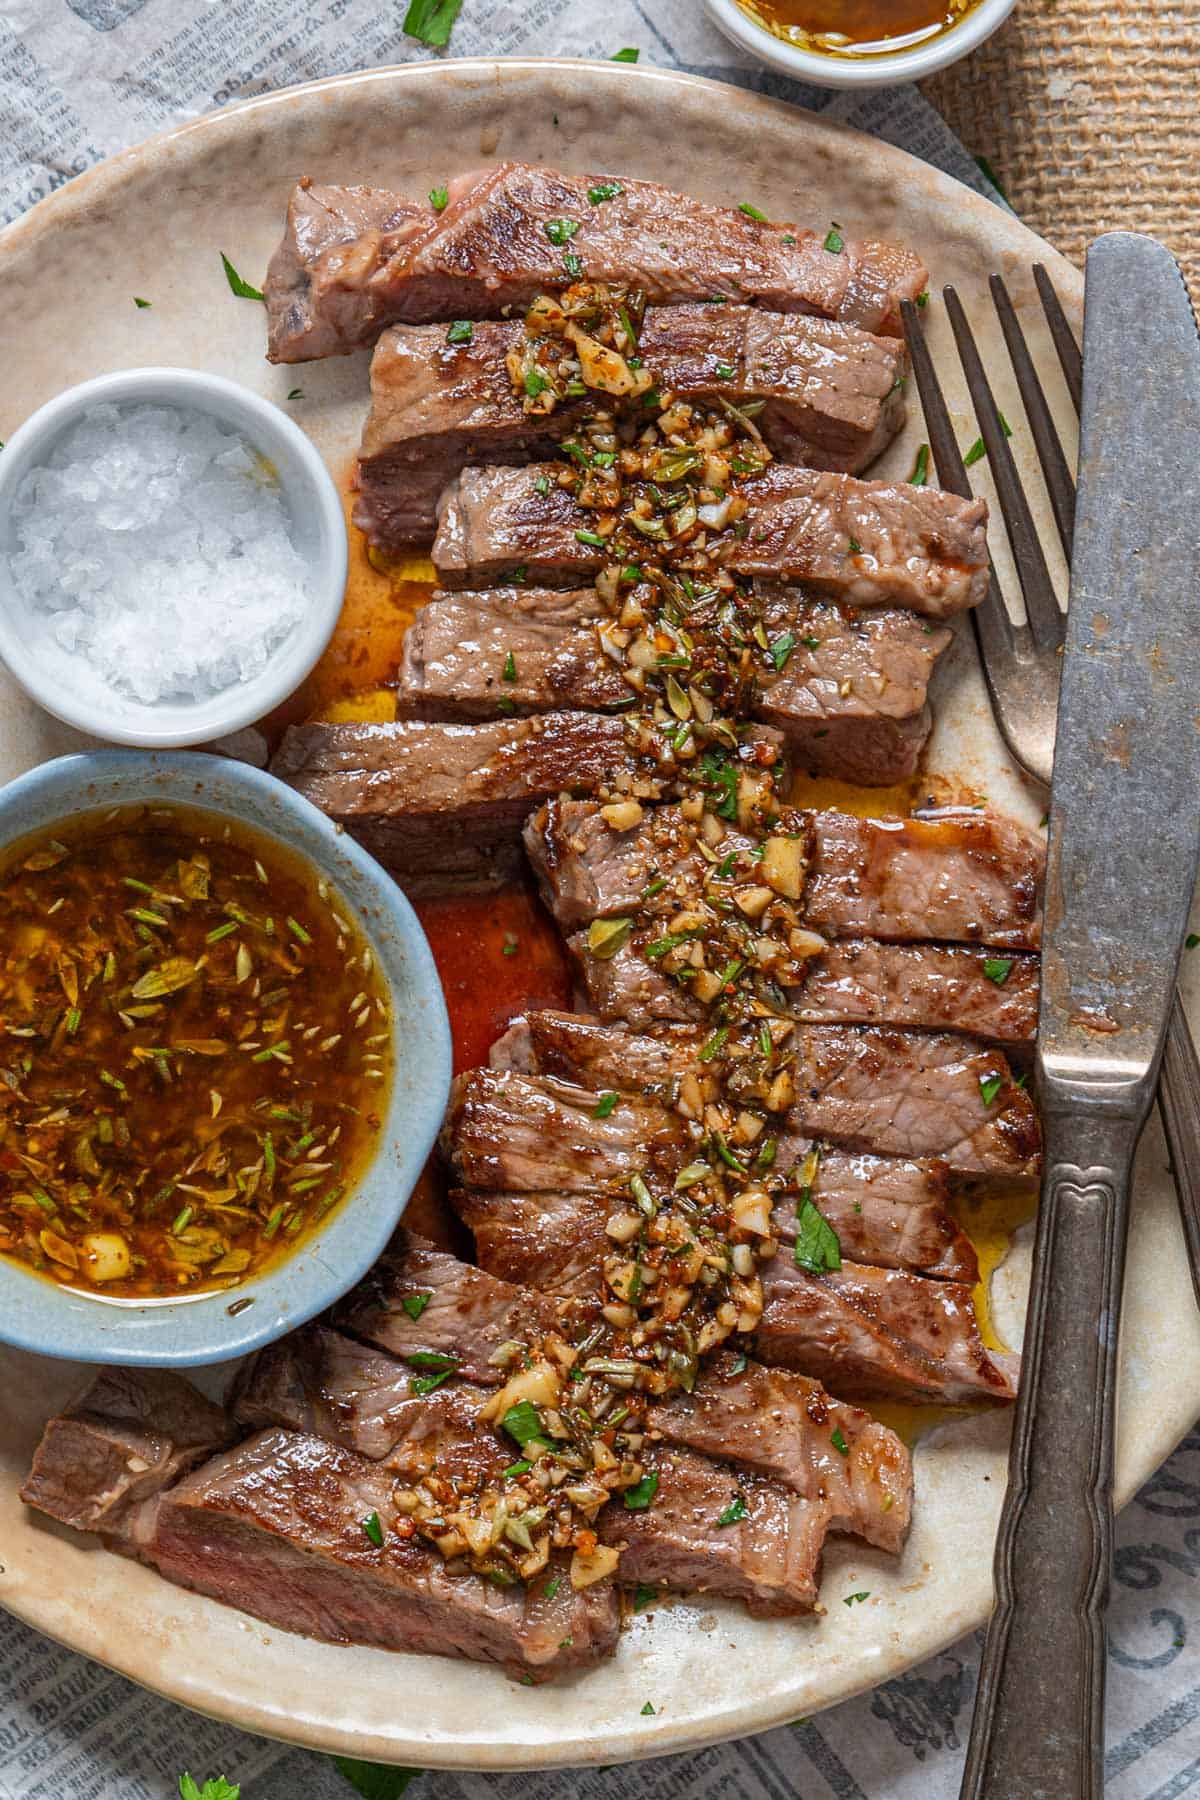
(949, 875)
(864, 1087)
(776, 1424)
(330, 290)
(783, 1425)
(857, 981)
(275, 1527)
(456, 1307)
(851, 700)
(916, 547)
(831, 397)
(865, 1332)
(509, 1135)
(766, 1553)
(442, 805)
(127, 1438)
(881, 1334)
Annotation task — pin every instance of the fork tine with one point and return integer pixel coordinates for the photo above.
(1045, 616)
(1059, 483)
(1069, 354)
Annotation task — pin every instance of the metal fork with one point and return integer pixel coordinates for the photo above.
(1021, 661)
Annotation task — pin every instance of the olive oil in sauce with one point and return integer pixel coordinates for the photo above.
(195, 1056)
(856, 27)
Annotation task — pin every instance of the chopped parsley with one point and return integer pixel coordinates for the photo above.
(781, 649)
(854, 547)
(920, 474)
(989, 1087)
(542, 484)
(518, 1468)
(215, 1789)
(373, 1529)
(626, 55)
(509, 947)
(997, 968)
(439, 198)
(590, 537)
(752, 212)
(431, 21)
(604, 190)
(735, 1511)
(296, 394)
(461, 332)
(552, 1586)
(857, 1599)
(638, 1497)
(834, 241)
(241, 288)
(572, 265)
(415, 1304)
(509, 672)
(140, 303)
(725, 371)
(839, 1443)
(817, 1247)
(535, 383)
(720, 774)
(647, 1710)
(523, 1425)
(560, 231)
(644, 1597)
(811, 643)
(1191, 940)
(978, 449)
(605, 1106)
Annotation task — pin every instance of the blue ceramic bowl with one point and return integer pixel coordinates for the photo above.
(35, 1313)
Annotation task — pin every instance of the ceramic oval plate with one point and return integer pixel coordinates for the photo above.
(153, 223)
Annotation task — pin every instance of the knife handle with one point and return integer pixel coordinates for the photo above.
(1179, 1103)
(1037, 1733)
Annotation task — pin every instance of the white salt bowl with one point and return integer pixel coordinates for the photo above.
(63, 682)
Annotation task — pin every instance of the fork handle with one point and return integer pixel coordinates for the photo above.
(1038, 1727)
(1179, 1104)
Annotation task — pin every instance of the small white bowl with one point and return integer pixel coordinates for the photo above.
(887, 70)
(62, 683)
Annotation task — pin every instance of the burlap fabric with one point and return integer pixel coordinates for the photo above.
(1089, 112)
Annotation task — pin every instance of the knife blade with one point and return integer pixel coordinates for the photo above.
(1122, 860)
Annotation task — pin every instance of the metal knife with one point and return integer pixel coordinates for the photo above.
(1121, 867)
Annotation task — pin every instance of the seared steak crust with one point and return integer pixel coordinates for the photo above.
(354, 260)
(917, 547)
(831, 398)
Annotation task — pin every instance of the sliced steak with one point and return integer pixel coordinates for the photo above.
(786, 1427)
(442, 805)
(851, 699)
(129, 1437)
(275, 1527)
(881, 1334)
(831, 397)
(950, 875)
(867, 543)
(456, 1307)
(509, 1135)
(896, 1093)
(865, 1335)
(857, 981)
(719, 1530)
(330, 290)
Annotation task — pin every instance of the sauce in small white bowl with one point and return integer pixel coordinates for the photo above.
(172, 556)
(920, 44)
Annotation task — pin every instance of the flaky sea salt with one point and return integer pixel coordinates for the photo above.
(158, 541)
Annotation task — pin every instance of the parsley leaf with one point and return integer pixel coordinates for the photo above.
(509, 672)
(604, 190)
(781, 648)
(140, 303)
(439, 198)
(605, 1105)
(217, 1788)
(552, 1586)
(638, 1497)
(721, 774)
(834, 241)
(625, 56)
(415, 1304)
(522, 1424)
(431, 21)
(997, 968)
(644, 1597)
(920, 474)
(839, 1443)
(851, 1599)
(735, 1511)
(461, 332)
(373, 1529)
(560, 230)
(1191, 940)
(989, 1087)
(647, 1711)
(752, 212)
(295, 393)
(817, 1247)
(241, 288)
(374, 1781)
